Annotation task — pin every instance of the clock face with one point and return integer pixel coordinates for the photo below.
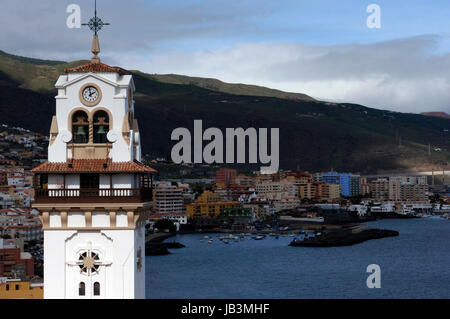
(90, 94)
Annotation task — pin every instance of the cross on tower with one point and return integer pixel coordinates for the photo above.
(95, 24)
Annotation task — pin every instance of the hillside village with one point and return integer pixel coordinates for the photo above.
(230, 201)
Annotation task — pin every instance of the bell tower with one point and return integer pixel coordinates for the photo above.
(93, 193)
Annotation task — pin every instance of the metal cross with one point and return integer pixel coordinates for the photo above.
(95, 23)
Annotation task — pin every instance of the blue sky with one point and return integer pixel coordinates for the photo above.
(322, 48)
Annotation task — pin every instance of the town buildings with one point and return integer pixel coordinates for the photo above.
(226, 176)
(379, 189)
(17, 289)
(168, 198)
(408, 189)
(21, 223)
(350, 184)
(14, 262)
(209, 205)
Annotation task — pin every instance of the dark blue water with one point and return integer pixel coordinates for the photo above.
(414, 265)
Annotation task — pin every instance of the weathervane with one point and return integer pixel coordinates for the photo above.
(95, 24)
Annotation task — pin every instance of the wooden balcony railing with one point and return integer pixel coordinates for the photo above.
(99, 195)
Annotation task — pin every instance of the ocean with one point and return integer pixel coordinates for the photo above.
(416, 264)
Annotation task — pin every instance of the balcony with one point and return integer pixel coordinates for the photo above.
(98, 195)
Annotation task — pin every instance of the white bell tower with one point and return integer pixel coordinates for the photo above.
(94, 194)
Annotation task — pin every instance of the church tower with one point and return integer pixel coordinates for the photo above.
(94, 194)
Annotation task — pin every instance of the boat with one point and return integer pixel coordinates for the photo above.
(210, 241)
(225, 241)
(258, 237)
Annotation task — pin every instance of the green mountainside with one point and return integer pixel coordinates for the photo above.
(314, 135)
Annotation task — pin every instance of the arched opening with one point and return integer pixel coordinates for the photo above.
(80, 127)
(96, 289)
(82, 289)
(101, 126)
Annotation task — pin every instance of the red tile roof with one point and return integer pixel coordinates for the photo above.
(96, 67)
(93, 166)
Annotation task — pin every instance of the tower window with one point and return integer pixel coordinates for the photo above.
(82, 289)
(96, 289)
(80, 127)
(101, 126)
(89, 262)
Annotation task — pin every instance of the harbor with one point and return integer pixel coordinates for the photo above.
(270, 268)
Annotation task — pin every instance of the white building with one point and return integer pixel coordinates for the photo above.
(168, 198)
(6, 201)
(94, 194)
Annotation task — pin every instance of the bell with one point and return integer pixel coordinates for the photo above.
(80, 130)
(101, 129)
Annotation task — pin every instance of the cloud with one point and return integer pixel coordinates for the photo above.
(402, 75)
(39, 28)
(224, 40)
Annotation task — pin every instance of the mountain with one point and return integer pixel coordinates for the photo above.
(217, 85)
(314, 135)
(437, 114)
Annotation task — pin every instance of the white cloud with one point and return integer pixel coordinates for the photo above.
(402, 75)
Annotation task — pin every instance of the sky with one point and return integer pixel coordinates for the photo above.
(322, 48)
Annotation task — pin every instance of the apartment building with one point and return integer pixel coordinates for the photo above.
(408, 189)
(226, 176)
(325, 191)
(350, 184)
(379, 189)
(168, 198)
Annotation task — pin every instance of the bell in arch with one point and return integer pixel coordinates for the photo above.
(101, 129)
(80, 130)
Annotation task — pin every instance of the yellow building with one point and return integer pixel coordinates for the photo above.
(306, 190)
(12, 289)
(211, 209)
(208, 197)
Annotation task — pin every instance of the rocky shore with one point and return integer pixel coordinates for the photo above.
(155, 246)
(344, 238)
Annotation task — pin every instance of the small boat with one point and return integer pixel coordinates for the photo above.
(210, 241)
(225, 241)
(206, 237)
(258, 237)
